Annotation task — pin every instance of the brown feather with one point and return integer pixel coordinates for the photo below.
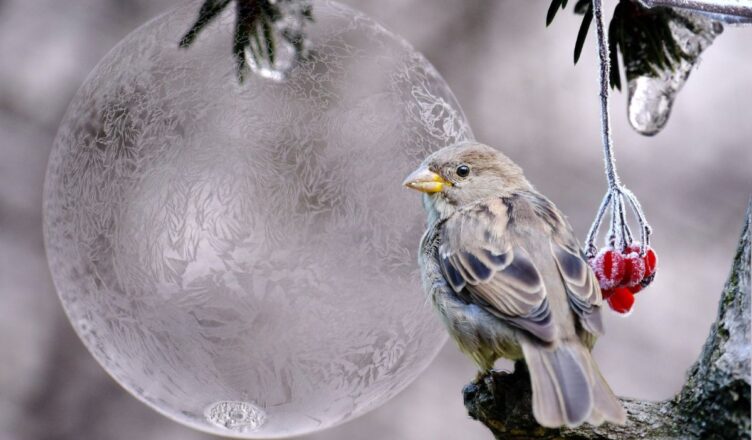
(478, 259)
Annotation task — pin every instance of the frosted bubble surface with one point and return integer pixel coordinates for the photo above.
(650, 98)
(242, 258)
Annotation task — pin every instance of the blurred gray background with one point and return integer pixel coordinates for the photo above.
(521, 93)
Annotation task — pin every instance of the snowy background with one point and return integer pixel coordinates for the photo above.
(518, 87)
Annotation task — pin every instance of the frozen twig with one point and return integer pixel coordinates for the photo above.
(604, 63)
(269, 34)
(619, 235)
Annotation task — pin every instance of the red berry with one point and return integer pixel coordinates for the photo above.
(634, 269)
(649, 258)
(609, 268)
(635, 289)
(607, 293)
(635, 246)
(650, 262)
(621, 301)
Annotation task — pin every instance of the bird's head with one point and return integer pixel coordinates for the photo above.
(462, 174)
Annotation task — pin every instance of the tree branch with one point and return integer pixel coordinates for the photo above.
(725, 7)
(714, 402)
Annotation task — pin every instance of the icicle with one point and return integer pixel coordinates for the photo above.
(651, 97)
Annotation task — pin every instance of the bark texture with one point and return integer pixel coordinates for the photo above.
(713, 404)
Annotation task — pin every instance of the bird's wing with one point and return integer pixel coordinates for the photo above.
(478, 260)
(583, 291)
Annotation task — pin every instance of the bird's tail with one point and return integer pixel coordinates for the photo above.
(568, 388)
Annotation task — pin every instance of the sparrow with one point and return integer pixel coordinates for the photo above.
(502, 267)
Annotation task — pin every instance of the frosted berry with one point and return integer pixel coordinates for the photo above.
(651, 261)
(634, 269)
(609, 267)
(621, 301)
(623, 274)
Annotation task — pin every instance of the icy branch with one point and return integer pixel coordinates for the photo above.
(738, 8)
(714, 402)
(604, 63)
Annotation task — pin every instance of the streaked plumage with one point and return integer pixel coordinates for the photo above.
(505, 273)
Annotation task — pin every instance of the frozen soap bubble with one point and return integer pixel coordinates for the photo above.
(242, 257)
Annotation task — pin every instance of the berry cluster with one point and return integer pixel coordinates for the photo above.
(621, 274)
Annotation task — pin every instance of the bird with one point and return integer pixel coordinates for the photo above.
(502, 267)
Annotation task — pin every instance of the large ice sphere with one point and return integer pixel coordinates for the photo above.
(242, 257)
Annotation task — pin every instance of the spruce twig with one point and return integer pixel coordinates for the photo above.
(258, 29)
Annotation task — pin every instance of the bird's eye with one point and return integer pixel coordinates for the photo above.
(463, 170)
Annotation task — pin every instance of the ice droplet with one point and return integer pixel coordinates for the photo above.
(651, 97)
(240, 417)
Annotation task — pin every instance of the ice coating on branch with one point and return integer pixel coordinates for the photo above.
(243, 257)
(730, 19)
(650, 98)
(725, 11)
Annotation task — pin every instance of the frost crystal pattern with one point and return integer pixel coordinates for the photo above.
(242, 257)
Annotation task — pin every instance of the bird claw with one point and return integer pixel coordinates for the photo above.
(488, 378)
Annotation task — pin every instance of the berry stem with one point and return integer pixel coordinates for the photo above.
(645, 229)
(605, 82)
(590, 249)
(619, 234)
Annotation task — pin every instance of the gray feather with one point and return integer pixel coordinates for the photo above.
(606, 406)
(583, 292)
(567, 387)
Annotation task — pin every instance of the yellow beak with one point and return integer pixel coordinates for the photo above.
(425, 180)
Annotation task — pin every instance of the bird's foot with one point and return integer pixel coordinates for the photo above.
(483, 380)
(488, 378)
